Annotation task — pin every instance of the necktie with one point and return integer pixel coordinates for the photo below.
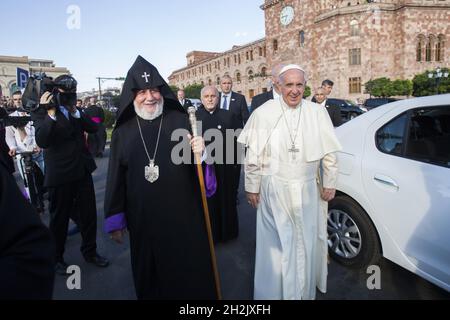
(225, 104)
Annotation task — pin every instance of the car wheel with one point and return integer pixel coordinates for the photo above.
(352, 238)
(352, 116)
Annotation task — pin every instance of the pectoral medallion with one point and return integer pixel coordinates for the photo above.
(151, 172)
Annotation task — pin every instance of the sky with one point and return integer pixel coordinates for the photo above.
(102, 38)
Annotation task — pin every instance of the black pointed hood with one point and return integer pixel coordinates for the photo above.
(143, 75)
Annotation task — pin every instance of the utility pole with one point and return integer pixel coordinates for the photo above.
(100, 79)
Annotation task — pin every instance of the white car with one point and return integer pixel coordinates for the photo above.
(393, 193)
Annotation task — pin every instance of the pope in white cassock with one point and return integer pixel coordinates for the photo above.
(288, 139)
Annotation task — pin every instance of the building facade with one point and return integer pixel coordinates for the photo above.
(347, 41)
(8, 71)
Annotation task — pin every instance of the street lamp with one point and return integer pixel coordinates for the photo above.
(438, 75)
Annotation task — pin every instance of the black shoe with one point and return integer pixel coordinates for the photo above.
(98, 260)
(61, 268)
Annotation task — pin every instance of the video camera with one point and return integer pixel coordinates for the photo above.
(36, 85)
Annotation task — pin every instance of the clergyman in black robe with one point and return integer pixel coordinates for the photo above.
(162, 210)
(96, 141)
(222, 150)
(26, 246)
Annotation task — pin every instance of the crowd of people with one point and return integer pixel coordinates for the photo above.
(153, 193)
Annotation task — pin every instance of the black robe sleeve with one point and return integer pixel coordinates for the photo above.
(26, 247)
(115, 195)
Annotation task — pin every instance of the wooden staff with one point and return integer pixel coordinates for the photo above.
(193, 120)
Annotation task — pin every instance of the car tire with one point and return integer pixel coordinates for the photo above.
(352, 116)
(359, 226)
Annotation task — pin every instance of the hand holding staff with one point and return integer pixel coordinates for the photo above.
(193, 121)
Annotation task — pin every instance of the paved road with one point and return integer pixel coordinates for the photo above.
(235, 261)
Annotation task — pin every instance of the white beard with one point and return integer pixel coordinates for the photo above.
(149, 115)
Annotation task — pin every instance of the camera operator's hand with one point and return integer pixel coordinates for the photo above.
(46, 101)
(12, 152)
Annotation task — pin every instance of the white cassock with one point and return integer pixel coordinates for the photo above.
(291, 234)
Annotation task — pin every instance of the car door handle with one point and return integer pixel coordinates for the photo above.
(385, 180)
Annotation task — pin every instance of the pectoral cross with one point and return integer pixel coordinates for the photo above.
(145, 75)
(294, 150)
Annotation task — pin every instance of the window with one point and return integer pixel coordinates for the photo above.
(251, 55)
(440, 45)
(275, 45)
(264, 90)
(264, 51)
(429, 136)
(250, 75)
(260, 51)
(218, 81)
(235, 59)
(263, 71)
(239, 58)
(354, 85)
(354, 56)
(251, 93)
(354, 28)
(238, 77)
(246, 54)
(419, 48)
(301, 38)
(428, 50)
(390, 138)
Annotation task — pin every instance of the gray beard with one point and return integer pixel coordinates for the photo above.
(148, 115)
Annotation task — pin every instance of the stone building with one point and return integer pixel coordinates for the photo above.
(347, 41)
(9, 65)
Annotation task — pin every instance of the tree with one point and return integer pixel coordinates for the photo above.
(307, 92)
(381, 87)
(193, 91)
(402, 87)
(174, 89)
(424, 86)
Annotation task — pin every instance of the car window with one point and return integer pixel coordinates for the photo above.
(390, 138)
(429, 136)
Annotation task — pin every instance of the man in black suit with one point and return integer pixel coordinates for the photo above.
(60, 128)
(334, 111)
(262, 98)
(186, 103)
(233, 101)
(236, 103)
(327, 85)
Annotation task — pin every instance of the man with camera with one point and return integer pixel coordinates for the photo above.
(60, 128)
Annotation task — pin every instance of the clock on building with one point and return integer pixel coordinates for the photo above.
(287, 15)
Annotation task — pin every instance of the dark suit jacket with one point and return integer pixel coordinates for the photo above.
(238, 105)
(335, 114)
(260, 99)
(66, 156)
(187, 104)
